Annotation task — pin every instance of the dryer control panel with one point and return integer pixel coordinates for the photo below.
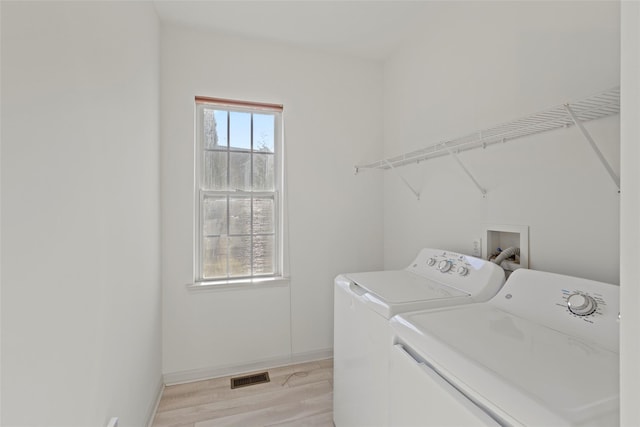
(581, 303)
(578, 307)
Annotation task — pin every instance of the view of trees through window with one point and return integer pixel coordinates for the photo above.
(237, 185)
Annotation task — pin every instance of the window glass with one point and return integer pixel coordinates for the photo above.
(263, 172)
(239, 131)
(263, 132)
(239, 256)
(239, 171)
(263, 248)
(240, 215)
(263, 215)
(214, 215)
(214, 170)
(214, 253)
(221, 126)
(215, 129)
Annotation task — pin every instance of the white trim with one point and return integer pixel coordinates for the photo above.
(151, 414)
(225, 285)
(629, 210)
(173, 378)
(311, 356)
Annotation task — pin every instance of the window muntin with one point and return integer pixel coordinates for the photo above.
(238, 181)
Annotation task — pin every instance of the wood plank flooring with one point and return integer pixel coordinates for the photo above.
(297, 395)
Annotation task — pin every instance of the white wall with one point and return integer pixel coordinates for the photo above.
(80, 221)
(476, 65)
(332, 114)
(630, 212)
(0, 217)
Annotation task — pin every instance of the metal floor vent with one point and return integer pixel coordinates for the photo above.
(247, 380)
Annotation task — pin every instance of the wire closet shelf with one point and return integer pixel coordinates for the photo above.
(604, 104)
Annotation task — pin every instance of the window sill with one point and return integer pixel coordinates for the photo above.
(239, 284)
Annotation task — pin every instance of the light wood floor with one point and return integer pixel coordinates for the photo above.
(306, 399)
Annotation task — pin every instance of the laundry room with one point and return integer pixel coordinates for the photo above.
(392, 127)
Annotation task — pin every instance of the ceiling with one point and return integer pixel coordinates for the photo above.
(367, 29)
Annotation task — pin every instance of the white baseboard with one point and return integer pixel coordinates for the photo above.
(192, 375)
(311, 356)
(154, 405)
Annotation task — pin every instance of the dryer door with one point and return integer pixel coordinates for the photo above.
(420, 397)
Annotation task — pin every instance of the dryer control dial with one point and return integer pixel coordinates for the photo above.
(581, 304)
(445, 265)
(431, 262)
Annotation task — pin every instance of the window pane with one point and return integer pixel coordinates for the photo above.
(263, 215)
(214, 216)
(263, 254)
(214, 257)
(210, 137)
(263, 172)
(240, 176)
(240, 256)
(214, 171)
(240, 130)
(215, 129)
(263, 132)
(240, 215)
(222, 130)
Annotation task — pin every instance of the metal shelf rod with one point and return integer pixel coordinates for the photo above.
(415, 193)
(594, 146)
(464, 168)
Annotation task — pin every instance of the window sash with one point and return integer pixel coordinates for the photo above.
(228, 234)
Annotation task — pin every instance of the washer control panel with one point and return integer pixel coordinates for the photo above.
(478, 278)
(448, 262)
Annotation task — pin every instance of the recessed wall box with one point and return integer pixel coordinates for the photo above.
(507, 236)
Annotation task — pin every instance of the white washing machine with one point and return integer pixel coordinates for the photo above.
(542, 352)
(363, 305)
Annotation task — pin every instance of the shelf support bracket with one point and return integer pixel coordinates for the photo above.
(594, 146)
(464, 168)
(415, 193)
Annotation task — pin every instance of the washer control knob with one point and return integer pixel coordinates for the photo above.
(444, 266)
(431, 262)
(462, 270)
(581, 304)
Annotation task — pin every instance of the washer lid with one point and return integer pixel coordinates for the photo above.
(527, 372)
(401, 286)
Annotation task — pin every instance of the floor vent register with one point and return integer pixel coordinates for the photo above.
(247, 380)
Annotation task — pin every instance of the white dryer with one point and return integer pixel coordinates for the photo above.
(542, 352)
(363, 305)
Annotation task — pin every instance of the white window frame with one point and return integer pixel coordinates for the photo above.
(277, 276)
